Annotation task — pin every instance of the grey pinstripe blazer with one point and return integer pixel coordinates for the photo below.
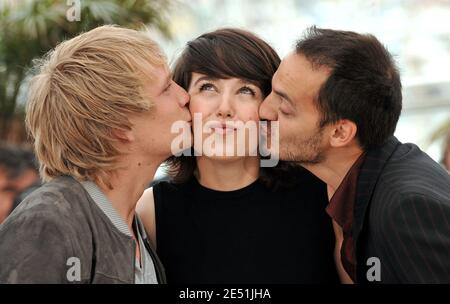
(402, 216)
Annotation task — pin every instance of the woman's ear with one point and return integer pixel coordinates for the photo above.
(343, 133)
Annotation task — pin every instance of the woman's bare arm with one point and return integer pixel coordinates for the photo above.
(146, 210)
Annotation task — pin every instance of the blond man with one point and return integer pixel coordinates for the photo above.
(100, 111)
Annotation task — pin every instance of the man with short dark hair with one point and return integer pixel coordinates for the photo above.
(19, 176)
(338, 98)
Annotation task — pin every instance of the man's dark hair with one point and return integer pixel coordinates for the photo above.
(364, 83)
(16, 160)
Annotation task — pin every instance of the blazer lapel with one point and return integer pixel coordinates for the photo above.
(368, 177)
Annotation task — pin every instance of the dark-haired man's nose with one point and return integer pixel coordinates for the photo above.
(268, 110)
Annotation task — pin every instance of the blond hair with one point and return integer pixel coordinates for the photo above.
(85, 88)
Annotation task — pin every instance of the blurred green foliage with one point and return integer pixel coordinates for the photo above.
(30, 28)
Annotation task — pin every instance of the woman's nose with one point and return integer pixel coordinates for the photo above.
(225, 109)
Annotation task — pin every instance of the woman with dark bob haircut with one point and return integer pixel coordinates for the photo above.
(222, 218)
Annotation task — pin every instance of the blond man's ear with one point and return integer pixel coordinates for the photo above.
(125, 136)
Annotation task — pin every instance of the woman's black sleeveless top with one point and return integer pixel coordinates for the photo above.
(251, 235)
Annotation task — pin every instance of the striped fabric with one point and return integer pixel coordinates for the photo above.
(402, 216)
(145, 272)
(103, 203)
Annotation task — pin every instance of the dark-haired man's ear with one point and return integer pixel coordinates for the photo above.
(343, 133)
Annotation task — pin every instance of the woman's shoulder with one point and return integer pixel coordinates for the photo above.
(169, 186)
(296, 185)
(168, 193)
(288, 176)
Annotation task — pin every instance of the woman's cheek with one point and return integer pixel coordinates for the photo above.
(195, 107)
(253, 114)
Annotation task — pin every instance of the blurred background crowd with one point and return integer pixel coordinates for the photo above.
(415, 31)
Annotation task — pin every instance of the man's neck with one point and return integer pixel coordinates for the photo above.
(335, 167)
(128, 185)
(227, 175)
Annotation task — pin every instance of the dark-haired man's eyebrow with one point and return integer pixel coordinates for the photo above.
(283, 95)
(209, 78)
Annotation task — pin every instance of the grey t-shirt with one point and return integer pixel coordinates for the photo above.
(145, 269)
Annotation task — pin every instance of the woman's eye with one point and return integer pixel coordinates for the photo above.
(247, 90)
(206, 87)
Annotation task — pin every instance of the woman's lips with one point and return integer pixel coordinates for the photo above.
(222, 128)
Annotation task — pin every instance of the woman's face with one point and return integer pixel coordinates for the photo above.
(229, 116)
